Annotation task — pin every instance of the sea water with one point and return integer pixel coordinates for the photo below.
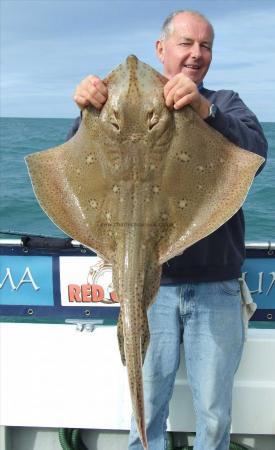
(20, 212)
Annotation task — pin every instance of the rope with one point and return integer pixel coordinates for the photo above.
(235, 446)
(70, 439)
(63, 439)
(22, 233)
(170, 445)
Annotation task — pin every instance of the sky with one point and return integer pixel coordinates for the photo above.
(48, 46)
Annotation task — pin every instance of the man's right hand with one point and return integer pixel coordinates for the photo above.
(92, 91)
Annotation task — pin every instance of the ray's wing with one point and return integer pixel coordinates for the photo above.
(72, 189)
(206, 181)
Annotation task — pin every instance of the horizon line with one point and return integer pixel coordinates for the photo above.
(73, 118)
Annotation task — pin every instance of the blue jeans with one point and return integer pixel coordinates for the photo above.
(208, 317)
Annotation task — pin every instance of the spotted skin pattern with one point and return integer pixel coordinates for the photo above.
(139, 184)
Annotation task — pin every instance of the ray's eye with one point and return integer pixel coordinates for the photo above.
(114, 120)
(114, 124)
(153, 120)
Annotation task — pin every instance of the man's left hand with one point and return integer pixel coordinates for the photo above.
(181, 91)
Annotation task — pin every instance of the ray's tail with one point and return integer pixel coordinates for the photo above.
(133, 338)
(136, 277)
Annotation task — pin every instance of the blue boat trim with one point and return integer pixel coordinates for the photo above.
(56, 282)
(260, 260)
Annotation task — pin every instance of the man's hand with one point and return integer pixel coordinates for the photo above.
(181, 91)
(92, 91)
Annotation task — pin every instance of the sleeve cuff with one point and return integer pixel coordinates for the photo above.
(218, 122)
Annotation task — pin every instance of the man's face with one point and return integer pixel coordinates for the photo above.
(188, 49)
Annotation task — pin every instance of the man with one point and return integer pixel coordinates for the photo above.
(200, 294)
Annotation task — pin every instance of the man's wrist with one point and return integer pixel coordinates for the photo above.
(204, 108)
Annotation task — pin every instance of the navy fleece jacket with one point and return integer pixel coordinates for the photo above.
(220, 255)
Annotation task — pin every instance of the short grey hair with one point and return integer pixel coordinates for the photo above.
(168, 27)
